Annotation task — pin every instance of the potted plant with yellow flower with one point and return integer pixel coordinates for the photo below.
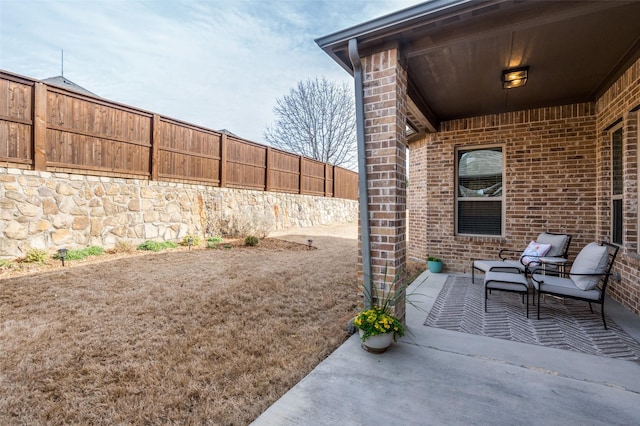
(376, 324)
(378, 328)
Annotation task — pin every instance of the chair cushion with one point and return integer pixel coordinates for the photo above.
(508, 265)
(536, 250)
(558, 243)
(592, 259)
(506, 281)
(563, 287)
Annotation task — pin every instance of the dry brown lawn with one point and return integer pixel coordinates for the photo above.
(178, 337)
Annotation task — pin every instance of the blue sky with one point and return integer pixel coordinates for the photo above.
(214, 63)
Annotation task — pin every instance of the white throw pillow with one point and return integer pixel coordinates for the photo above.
(534, 249)
(592, 259)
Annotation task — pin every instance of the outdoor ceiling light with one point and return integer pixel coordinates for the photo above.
(515, 77)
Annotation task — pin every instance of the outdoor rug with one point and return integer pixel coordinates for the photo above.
(571, 326)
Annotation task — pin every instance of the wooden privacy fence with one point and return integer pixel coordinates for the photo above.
(49, 128)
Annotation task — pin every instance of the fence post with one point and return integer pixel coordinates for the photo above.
(327, 167)
(155, 148)
(300, 175)
(267, 177)
(40, 127)
(223, 160)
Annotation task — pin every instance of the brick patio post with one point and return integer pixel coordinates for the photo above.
(384, 99)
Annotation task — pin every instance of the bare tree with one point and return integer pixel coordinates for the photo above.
(316, 120)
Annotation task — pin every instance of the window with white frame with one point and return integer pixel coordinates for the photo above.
(617, 186)
(479, 177)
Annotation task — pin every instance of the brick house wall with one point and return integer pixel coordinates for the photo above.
(549, 181)
(620, 106)
(557, 177)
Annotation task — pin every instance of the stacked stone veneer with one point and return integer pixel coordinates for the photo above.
(47, 210)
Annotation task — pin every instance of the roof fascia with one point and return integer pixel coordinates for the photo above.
(625, 62)
(390, 21)
(336, 43)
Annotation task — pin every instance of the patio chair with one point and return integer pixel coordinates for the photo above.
(523, 262)
(587, 279)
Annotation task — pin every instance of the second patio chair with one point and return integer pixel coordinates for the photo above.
(587, 279)
(522, 262)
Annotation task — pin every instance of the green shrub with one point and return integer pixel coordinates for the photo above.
(36, 256)
(195, 240)
(93, 251)
(7, 264)
(79, 254)
(85, 252)
(213, 242)
(251, 240)
(150, 246)
(156, 245)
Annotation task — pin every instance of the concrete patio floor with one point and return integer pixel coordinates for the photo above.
(436, 377)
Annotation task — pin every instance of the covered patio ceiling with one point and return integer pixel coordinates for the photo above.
(456, 50)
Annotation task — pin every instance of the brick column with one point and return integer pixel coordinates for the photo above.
(385, 88)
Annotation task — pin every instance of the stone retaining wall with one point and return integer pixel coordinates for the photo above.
(47, 210)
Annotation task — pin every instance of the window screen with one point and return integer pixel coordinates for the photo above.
(479, 195)
(617, 187)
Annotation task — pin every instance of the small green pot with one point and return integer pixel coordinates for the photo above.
(435, 267)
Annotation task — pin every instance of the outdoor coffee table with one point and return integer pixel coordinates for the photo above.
(560, 264)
